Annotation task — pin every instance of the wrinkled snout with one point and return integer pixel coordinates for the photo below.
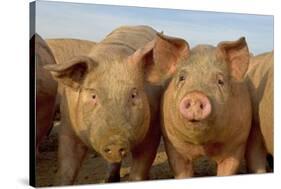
(115, 152)
(195, 106)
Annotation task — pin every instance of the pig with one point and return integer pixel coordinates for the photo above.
(206, 109)
(111, 101)
(260, 83)
(64, 49)
(46, 89)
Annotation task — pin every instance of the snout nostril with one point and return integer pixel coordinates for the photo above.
(122, 151)
(195, 106)
(187, 105)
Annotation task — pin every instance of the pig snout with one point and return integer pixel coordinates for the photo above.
(115, 152)
(195, 106)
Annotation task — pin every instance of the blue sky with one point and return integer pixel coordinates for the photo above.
(94, 22)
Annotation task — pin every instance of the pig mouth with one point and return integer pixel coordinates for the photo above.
(111, 159)
(194, 121)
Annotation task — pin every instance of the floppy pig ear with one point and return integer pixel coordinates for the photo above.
(160, 57)
(237, 55)
(72, 73)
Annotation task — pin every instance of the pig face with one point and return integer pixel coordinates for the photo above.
(113, 107)
(203, 89)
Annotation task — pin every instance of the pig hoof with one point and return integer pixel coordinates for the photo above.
(113, 178)
(138, 178)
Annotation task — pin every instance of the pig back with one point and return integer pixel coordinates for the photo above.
(133, 37)
(123, 41)
(65, 49)
(260, 82)
(46, 86)
(261, 58)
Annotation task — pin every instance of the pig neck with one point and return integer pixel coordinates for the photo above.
(131, 37)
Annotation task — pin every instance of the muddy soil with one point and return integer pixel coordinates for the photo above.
(94, 168)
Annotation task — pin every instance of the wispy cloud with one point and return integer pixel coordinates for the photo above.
(94, 22)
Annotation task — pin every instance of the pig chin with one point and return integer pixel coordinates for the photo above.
(199, 127)
(117, 159)
(199, 132)
(195, 124)
(199, 124)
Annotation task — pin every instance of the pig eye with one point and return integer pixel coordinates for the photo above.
(220, 82)
(134, 94)
(94, 98)
(181, 78)
(134, 97)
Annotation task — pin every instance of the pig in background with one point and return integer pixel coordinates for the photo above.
(260, 82)
(206, 108)
(51, 51)
(46, 89)
(110, 101)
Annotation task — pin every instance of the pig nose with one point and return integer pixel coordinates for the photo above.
(195, 106)
(116, 151)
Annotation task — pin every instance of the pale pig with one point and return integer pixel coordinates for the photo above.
(260, 82)
(206, 108)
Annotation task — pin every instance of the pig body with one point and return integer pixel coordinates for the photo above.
(260, 83)
(110, 103)
(46, 90)
(206, 108)
(66, 49)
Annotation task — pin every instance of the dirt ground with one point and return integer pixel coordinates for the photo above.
(94, 168)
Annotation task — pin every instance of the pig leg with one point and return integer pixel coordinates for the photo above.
(144, 154)
(114, 172)
(181, 167)
(255, 152)
(71, 154)
(230, 165)
(44, 121)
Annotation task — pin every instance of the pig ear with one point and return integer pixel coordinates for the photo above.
(73, 72)
(159, 57)
(236, 53)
